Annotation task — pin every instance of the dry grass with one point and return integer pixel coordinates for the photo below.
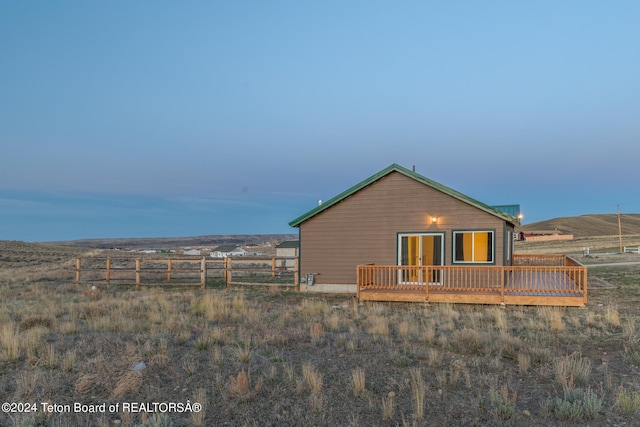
(359, 380)
(572, 367)
(312, 378)
(388, 406)
(256, 356)
(627, 401)
(418, 393)
(240, 387)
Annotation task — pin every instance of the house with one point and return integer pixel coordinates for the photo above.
(397, 232)
(228, 250)
(286, 252)
(288, 248)
(398, 217)
(187, 251)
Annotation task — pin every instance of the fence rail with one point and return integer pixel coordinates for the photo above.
(245, 270)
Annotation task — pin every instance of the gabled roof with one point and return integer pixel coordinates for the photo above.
(415, 176)
(513, 210)
(227, 248)
(289, 244)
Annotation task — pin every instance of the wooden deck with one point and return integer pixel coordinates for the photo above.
(564, 283)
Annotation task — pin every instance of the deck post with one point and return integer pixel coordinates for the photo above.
(78, 269)
(358, 268)
(427, 276)
(502, 285)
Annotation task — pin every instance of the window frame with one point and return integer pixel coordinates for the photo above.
(492, 233)
(420, 280)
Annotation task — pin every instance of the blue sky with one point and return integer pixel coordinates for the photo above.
(155, 118)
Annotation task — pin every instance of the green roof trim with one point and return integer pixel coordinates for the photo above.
(413, 175)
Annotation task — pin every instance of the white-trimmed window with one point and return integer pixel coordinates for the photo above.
(474, 247)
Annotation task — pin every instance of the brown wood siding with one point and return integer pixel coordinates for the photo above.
(363, 228)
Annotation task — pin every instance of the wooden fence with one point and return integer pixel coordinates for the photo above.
(183, 271)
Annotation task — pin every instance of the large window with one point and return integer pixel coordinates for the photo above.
(473, 246)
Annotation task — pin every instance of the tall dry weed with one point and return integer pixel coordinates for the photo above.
(359, 381)
(553, 317)
(312, 377)
(418, 393)
(572, 367)
(627, 401)
(388, 406)
(9, 342)
(378, 326)
(127, 383)
(198, 418)
(240, 386)
(612, 317)
(317, 333)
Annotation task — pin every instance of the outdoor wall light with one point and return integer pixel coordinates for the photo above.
(434, 219)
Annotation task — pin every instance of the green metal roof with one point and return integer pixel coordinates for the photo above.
(424, 180)
(289, 244)
(513, 210)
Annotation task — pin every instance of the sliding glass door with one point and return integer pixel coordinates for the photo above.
(420, 249)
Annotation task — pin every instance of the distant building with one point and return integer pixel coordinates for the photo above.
(191, 252)
(288, 249)
(546, 235)
(228, 250)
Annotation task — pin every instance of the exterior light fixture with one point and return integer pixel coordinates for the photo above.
(434, 219)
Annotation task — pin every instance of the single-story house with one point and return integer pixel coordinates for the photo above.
(288, 248)
(286, 252)
(398, 217)
(224, 251)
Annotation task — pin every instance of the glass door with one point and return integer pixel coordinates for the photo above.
(420, 249)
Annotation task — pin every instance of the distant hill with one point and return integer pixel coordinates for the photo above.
(589, 225)
(173, 242)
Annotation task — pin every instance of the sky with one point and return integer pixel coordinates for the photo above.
(164, 118)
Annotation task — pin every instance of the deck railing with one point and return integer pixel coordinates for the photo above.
(533, 275)
(542, 260)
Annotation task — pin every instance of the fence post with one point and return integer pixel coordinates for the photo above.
(228, 270)
(138, 262)
(168, 270)
(296, 279)
(78, 269)
(585, 279)
(273, 268)
(108, 272)
(203, 273)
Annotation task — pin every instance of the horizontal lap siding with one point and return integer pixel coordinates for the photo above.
(363, 228)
